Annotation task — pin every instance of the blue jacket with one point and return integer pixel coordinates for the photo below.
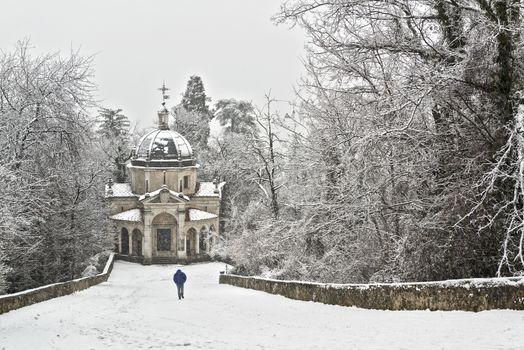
(179, 277)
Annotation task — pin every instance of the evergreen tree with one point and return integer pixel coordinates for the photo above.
(236, 116)
(113, 123)
(194, 98)
(192, 115)
(113, 130)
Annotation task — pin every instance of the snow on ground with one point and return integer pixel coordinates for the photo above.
(138, 309)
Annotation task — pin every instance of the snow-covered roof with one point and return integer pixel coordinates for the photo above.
(163, 188)
(133, 215)
(207, 189)
(120, 190)
(197, 215)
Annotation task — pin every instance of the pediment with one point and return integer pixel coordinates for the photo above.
(158, 199)
(163, 195)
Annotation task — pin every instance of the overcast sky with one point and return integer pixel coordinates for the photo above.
(231, 44)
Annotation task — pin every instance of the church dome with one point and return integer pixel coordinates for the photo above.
(163, 148)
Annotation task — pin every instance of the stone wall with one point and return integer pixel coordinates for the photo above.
(467, 294)
(17, 300)
(166, 260)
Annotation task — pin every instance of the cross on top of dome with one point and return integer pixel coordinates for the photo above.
(163, 114)
(164, 89)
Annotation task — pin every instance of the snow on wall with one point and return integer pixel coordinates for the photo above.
(15, 301)
(207, 189)
(120, 190)
(467, 295)
(197, 215)
(132, 215)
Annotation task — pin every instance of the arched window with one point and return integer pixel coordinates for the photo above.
(124, 241)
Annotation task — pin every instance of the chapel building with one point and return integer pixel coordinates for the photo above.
(164, 214)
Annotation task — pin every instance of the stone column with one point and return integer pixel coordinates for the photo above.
(181, 232)
(197, 242)
(119, 239)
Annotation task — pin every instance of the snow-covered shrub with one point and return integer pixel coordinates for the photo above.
(102, 260)
(98, 261)
(90, 271)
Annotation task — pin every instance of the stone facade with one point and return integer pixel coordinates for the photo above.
(164, 214)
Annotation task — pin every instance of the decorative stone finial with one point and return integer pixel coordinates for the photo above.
(163, 116)
(215, 182)
(110, 187)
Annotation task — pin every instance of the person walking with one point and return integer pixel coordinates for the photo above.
(180, 278)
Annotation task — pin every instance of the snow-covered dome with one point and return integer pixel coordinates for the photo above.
(163, 148)
(164, 144)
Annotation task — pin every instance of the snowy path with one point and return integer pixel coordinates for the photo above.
(138, 309)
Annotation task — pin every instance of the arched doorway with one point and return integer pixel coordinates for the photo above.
(164, 231)
(203, 240)
(191, 241)
(124, 241)
(136, 242)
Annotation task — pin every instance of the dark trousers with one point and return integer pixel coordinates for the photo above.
(180, 288)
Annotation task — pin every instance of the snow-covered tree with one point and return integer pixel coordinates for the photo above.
(113, 130)
(235, 116)
(193, 125)
(192, 115)
(265, 150)
(194, 98)
(410, 104)
(50, 169)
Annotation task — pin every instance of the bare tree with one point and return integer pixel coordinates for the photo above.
(265, 148)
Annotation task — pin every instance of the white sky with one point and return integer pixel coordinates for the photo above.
(231, 44)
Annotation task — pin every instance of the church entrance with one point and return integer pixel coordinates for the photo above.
(164, 235)
(124, 241)
(163, 239)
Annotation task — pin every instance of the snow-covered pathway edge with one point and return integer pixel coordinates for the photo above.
(15, 301)
(476, 294)
(137, 308)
